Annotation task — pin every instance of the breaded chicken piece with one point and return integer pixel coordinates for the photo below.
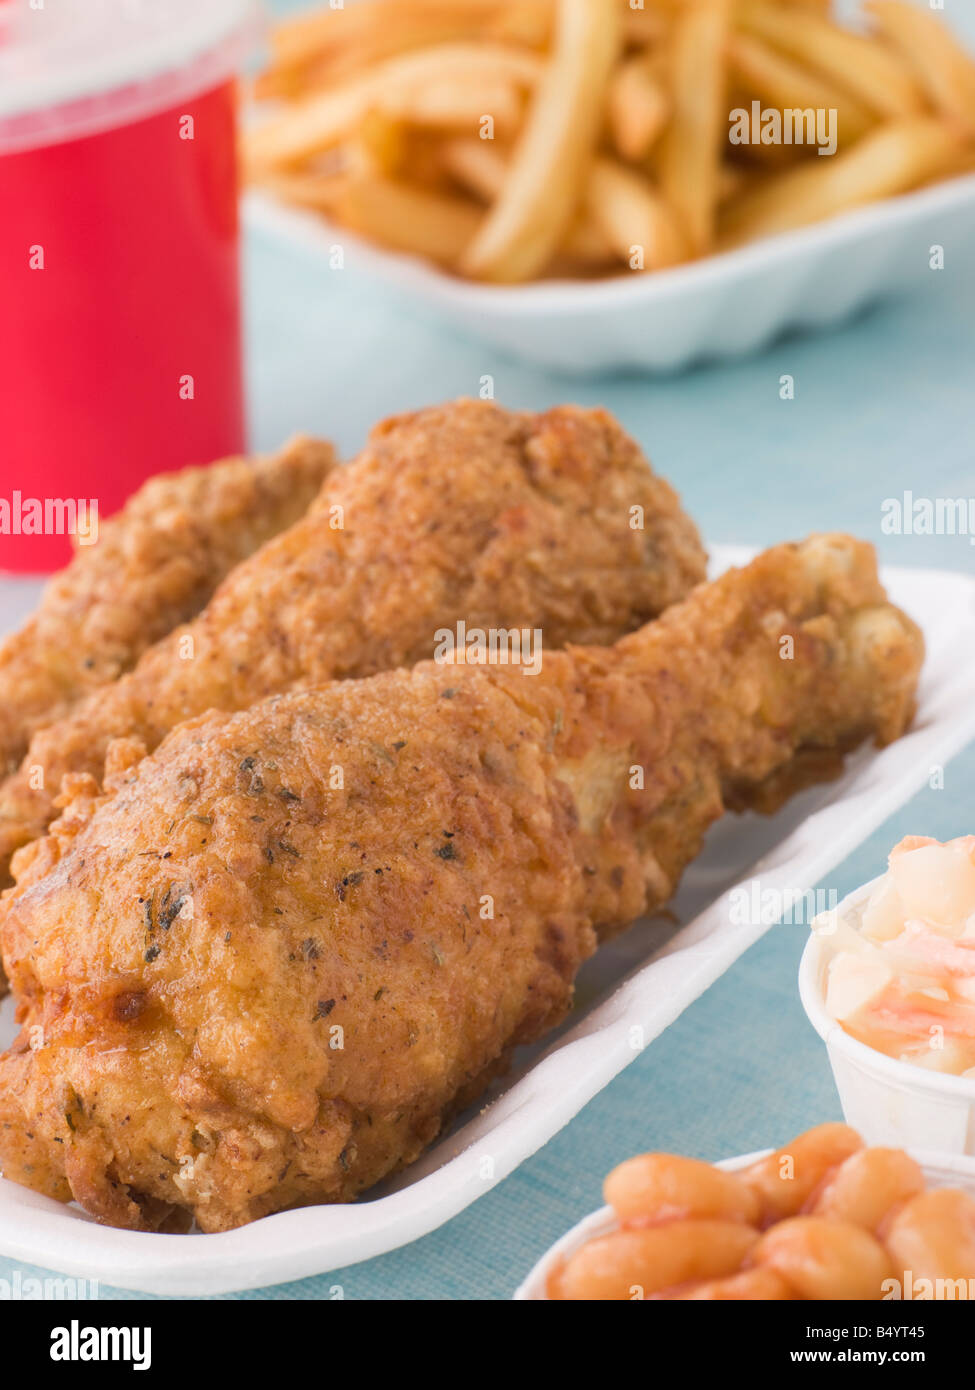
(267, 967)
(153, 566)
(464, 512)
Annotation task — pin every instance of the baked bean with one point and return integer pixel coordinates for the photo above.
(760, 1285)
(839, 1221)
(633, 1264)
(787, 1178)
(933, 1236)
(865, 1187)
(660, 1186)
(822, 1258)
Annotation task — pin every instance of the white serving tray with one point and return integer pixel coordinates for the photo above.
(643, 980)
(940, 1170)
(717, 308)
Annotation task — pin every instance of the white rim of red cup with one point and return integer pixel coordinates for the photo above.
(108, 63)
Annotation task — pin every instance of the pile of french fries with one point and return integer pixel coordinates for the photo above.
(509, 140)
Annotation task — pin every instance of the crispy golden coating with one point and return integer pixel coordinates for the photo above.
(264, 967)
(468, 511)
(154, 565)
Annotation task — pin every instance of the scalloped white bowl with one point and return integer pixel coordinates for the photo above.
(719, 307)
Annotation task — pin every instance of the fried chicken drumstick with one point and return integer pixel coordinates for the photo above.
(264, 968)
(463, 512)
(154, 565)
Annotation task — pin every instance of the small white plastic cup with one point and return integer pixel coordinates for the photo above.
(887, 1101)
(940, 1170)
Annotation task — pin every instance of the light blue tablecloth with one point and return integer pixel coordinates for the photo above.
(883, 405)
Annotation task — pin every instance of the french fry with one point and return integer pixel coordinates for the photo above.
(522, 21)
(320, 192)
(586, 243)
(637, 108)
(690, 149)
(422, 163)
(452, 84)
(317, 124)
(780, 156)
(457, 103)
(635, 220)
(893, 159)
(322, 47)
(647, 26)
(408, 219)
(379, 146)
(871, 73)
(536, 204)
(944, 69)
(645, 11)
(481, 168)
(353, 26)
(478, 165)
(734, 180)
(780, 82)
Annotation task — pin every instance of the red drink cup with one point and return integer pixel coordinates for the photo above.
(120, 351)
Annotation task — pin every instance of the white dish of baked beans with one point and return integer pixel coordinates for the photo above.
(823, 1217)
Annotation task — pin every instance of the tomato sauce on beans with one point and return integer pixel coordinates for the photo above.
(823, 1217)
